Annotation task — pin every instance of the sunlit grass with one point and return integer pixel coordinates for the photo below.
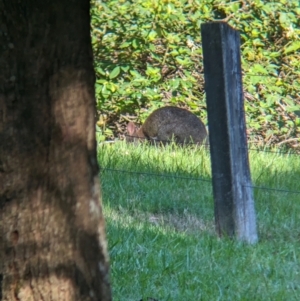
(161, 234)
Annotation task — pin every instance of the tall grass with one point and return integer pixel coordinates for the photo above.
(160, 227)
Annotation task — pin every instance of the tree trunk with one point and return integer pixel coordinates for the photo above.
(52, 239)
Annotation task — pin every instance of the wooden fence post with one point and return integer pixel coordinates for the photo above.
(233, 196)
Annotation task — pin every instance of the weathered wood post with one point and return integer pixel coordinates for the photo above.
(234, 203)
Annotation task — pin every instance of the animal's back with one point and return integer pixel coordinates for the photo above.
(168, 122)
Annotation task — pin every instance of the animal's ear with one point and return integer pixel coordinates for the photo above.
(131, 128)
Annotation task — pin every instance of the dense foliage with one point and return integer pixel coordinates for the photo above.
(148, 54)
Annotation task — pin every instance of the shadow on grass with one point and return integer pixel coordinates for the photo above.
(172, 187)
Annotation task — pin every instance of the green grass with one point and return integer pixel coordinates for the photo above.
(161, 234)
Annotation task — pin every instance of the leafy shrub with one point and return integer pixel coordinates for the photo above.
(148, 54)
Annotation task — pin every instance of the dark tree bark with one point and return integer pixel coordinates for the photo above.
(52, 238)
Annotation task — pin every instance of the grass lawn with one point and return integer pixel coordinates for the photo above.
(160, 229)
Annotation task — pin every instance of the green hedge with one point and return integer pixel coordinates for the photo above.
(148, 54)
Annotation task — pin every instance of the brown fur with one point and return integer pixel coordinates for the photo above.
(169, 123)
